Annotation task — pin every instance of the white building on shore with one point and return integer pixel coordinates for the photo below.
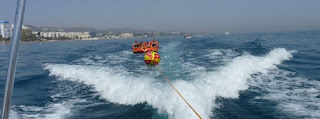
(126, 35)
(66, 34)
(5, 29)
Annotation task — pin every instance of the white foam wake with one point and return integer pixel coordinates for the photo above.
(294, 94)
(118, 86)
(58, 110)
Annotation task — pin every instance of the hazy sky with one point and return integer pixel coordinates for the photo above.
(179, 15)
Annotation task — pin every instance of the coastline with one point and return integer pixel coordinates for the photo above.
(84, 39)
(8, 42)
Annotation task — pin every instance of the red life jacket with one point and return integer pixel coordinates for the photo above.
(150, 43)
(155, 44)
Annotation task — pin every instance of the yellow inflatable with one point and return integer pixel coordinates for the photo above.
(152, 58)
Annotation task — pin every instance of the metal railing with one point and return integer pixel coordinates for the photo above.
(13, 58)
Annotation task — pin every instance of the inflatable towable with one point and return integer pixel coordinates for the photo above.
(142, 47)
(152, 58)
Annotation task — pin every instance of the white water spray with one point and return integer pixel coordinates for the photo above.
(118, 86)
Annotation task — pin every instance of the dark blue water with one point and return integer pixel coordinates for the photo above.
(238, 76)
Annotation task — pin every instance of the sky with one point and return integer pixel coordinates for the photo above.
(171, 15)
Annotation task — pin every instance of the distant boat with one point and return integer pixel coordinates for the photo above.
(188, 36)
(227, 33)
(199, 36)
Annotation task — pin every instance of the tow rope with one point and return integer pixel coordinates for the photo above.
(168, 81)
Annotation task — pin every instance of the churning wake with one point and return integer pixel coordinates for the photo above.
(51, 111)
(118, 85)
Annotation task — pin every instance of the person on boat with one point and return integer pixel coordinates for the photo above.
(149, 44)
(155, 43)
(136, 44)
(145, 45)
(141, 45)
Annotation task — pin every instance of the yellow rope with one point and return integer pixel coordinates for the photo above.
(165, 77)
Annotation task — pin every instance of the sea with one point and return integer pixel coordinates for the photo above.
(222, 76)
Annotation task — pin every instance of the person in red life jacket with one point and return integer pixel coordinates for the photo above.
(135, 44)
(150, 44)
(140, 45)
(155, 43)
(145, 45)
